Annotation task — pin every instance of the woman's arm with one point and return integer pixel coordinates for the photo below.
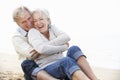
(61, 37)
(39, 43)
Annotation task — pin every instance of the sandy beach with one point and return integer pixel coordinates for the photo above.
(10, 69)
(107, 74)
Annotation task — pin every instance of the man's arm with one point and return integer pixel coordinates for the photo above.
(22, 47)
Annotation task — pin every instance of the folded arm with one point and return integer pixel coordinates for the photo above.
(61, 37)
(43, 46)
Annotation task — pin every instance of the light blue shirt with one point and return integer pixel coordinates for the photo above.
(22, 31)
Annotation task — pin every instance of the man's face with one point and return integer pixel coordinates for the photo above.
(25, 21)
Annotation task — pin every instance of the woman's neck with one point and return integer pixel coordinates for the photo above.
(46, 34)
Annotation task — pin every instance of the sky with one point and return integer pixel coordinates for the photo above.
(92, 24)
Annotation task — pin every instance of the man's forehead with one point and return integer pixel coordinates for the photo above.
(24, 17)
(24, 14)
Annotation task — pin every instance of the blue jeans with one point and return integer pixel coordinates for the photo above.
(75, 53)
(62, 68)
(28, 66)
(67, 65)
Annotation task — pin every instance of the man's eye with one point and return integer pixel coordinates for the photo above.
(40, 19)
(23, 22)
(29, 18)
(35, 20)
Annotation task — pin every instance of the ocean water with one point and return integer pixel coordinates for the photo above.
(101, 50)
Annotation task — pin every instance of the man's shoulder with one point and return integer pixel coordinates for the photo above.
(17, 35)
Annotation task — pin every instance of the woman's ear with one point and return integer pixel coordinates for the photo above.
(49, 21)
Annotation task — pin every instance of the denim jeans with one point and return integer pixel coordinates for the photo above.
(62, 68)
(67, 65)
(28, 66)
(75, 53)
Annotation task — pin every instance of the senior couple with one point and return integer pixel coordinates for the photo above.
(40, 46)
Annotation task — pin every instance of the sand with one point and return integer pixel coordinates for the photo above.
(10, 69)
(106, 74)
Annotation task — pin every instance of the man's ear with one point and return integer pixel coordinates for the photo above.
(18, 23)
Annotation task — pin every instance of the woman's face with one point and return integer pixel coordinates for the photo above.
(40, 22)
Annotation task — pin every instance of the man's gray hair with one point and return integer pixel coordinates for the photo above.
(18, 12)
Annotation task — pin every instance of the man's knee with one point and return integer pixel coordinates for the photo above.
(28, 66)
(25, 63)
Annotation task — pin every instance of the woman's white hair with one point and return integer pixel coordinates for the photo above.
(44, 12)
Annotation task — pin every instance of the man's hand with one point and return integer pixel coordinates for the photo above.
(34, 54)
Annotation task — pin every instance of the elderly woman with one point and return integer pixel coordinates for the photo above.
(50, 42)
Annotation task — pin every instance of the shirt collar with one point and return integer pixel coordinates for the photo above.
(22, 31)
